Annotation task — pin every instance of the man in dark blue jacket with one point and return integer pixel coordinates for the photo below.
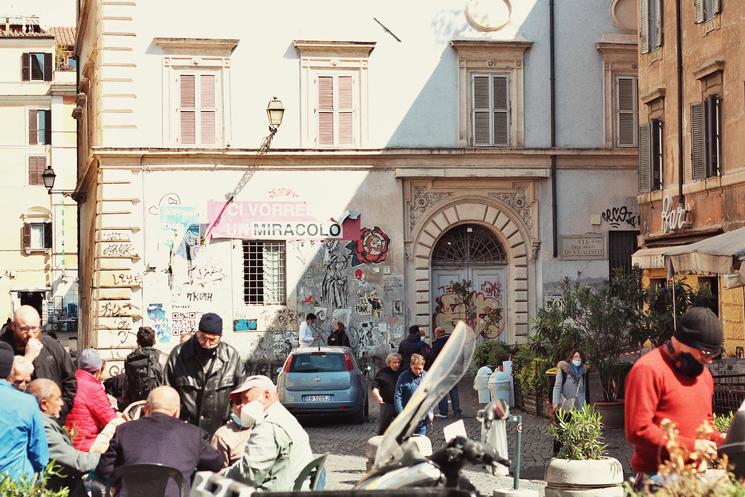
(160, 438)
(412, 344)
(440, 339)
(406, 385)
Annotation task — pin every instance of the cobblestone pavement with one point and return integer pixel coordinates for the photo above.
(345, 443)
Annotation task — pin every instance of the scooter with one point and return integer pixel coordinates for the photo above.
(398, 463)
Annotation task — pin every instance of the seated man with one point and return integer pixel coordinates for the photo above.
(74, 462)
(160, 438)
(278, 448)
(230, 439)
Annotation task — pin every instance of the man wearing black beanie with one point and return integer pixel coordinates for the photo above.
(672, 382)
(204, 370)
(23, 443)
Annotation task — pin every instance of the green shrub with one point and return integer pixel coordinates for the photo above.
(722, 421)
(580, 434)
(490, 353)
(33, 487)
(530, 371)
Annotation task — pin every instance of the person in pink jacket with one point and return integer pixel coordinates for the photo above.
(91, 411)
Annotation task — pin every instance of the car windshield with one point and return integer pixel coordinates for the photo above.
(444, 374)
(317, 362)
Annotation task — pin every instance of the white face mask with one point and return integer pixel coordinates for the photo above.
(252, 414)
(577, 362)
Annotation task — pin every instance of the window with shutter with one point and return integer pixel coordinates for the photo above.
(207, 109)
(47, 235)
(36, 166)
(37, 70)
(712, 135)
(39, 127)
(187, 109)
(697, 141)
(25, 67)
(47, 115)
(644, 26)
(37, 235)
(198, 114)
(644, 159)
(48, 69)
(490, 110)
(707, 9)
(26, 236)
(626, 111)
(33, 129)
(656, 149)
(335, 110)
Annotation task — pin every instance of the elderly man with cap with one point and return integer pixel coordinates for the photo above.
(672, 382)
(23, 444)
(278, 448)
(204, 370)
(160, 438)
(49, 357)
(230, 439)
(92, 410)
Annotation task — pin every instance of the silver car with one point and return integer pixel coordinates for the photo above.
(324, 380)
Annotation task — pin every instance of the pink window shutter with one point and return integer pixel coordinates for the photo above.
(346, 112)
(187, 109)
(207, 115)
(325, 110)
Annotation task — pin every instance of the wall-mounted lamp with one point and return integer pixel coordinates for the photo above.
(48, 176)
(275, 111)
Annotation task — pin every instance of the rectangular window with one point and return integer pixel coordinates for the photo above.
(39, 127)
(264, 272)
(706, 138)
(36, 66)
(650, 26)
(707, 9)
(708, 294)
(626, 111)
(335, 110)
(197, 111)
(36, 166)
(37, 236)
(656, 148)
(621, 246)
(490, 110)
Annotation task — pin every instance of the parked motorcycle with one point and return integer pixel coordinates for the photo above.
(398, 463)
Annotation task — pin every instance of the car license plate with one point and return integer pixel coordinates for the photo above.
(317, 398)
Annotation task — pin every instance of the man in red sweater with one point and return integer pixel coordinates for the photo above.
(672, 382)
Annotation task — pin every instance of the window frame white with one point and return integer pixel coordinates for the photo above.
(491, 108)
(198, 109)
(333, 57)
(337, 110)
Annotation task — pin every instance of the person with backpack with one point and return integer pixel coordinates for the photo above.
(413, 344)
(142, 368)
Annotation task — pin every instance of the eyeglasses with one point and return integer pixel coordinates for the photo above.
(18, 383)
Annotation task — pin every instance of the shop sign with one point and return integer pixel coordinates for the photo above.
(673, 219)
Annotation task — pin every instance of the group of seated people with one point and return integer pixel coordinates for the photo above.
(262, 445)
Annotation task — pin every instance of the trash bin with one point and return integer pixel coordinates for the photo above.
(481, 384)
(500, 387)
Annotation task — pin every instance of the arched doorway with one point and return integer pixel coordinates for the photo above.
(469, 253)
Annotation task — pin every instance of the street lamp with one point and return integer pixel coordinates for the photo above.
(275, 111)
(48, 176)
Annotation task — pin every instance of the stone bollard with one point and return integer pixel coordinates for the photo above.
(423, 444)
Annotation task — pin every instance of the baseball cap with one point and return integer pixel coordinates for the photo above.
(90, 360)
(255, 381)
(700, 328)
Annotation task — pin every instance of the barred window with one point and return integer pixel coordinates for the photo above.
(264, 272)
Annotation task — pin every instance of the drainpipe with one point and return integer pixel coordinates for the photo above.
(679, 56)
(77, 203)
(552, 85)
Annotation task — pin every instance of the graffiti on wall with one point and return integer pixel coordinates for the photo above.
(157, 315)
(617, 217)
(371, 248)
(449, 309)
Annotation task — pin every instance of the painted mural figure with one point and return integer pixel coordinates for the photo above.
(334, 286)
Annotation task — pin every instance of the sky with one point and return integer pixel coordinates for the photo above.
(50, 12)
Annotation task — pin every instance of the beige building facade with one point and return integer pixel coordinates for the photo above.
(692, 161)
(407, 160)
(39, 243)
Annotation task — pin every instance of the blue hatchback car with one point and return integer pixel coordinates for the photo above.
(324, 380)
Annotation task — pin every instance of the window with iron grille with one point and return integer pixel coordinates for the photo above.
(264, 275)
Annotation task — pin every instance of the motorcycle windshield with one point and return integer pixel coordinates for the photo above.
(443, 375)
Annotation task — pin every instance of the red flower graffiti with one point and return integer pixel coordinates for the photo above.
(372, 247)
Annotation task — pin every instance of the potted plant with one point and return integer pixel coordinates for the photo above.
(529, 372)
(582, 466)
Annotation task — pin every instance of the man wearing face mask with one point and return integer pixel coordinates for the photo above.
(230, 439)
(672, 382)
(278, 448)
(203, 370)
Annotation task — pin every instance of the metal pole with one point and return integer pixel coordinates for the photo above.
(518, 449)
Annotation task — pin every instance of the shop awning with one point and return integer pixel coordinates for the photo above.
(649, 258)
(722, 254)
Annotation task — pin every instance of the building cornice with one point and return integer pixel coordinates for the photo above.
(319, 48)
(475, 159)
(224, 46)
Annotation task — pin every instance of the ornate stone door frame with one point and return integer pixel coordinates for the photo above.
(511, 231)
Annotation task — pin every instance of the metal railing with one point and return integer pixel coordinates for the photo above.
(729, 392)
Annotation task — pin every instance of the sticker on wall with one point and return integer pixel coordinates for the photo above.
(244, 325)
(371, 248)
